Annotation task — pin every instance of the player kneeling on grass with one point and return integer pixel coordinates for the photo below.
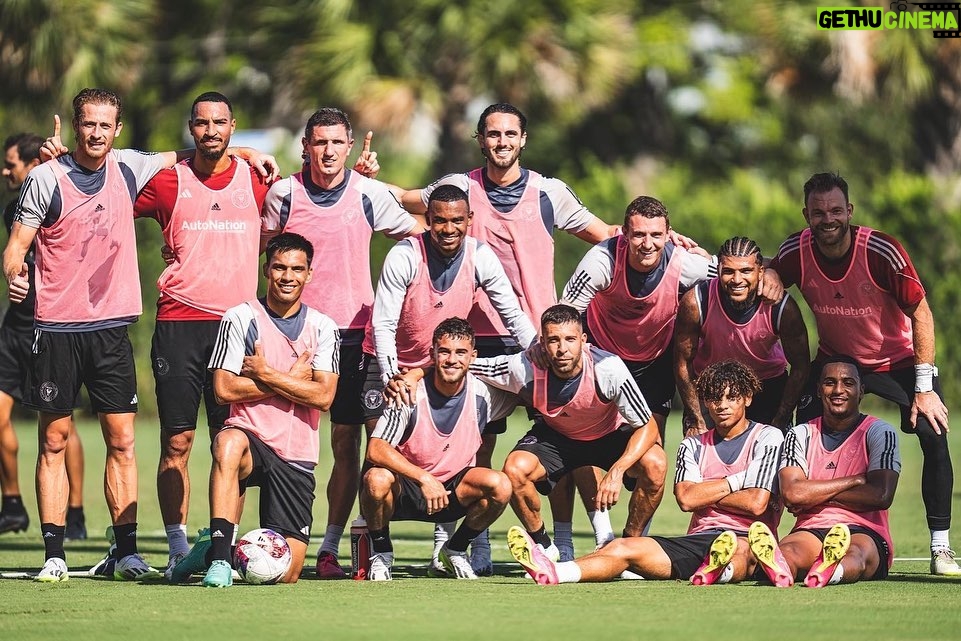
(725, 478)
(274, 362)
(838, 476)
(423, 456)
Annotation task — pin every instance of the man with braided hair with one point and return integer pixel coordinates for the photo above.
(725, 478)
(725, 318)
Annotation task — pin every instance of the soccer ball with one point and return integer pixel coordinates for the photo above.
(262, 557)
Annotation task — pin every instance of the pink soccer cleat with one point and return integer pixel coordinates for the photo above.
(718, 557)
(531, 557)
(835, 546)
(768, 554)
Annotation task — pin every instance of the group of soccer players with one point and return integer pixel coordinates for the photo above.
(463, 327)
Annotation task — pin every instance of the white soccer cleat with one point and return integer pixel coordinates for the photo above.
(380, 566)
(457, 563)
(552, 553)
(943, 563)
(133, 568)
(53, 571)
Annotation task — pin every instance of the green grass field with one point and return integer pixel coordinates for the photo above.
(910, 605)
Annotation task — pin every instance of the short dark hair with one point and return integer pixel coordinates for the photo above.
(740, 247)
(823, 183)
(734, 376)
(27, 144)
(841, 358)
(447, 194)
(648, 207)
(499, 108)
(327, 117)
(210, 96)
(289, 241)
(560, 314)
(90, 96)
(453, 328)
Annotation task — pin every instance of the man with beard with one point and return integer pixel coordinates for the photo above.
(868, 302)
(208, 205)
(724, 318)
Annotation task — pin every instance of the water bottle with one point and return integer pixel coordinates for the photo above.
(359, 549)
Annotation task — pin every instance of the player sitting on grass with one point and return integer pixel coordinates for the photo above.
(725, 478)
(838, 476)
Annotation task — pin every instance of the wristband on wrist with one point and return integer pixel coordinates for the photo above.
(924, 374)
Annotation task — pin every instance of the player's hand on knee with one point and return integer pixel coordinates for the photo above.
(929, 405)
(608, 490)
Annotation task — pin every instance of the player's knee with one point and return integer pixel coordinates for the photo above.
(176, 447)
(228, 444)
(519, 467)
(652, 468)
(378, 483)
(501, 488)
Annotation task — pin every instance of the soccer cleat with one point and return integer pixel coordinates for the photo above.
(835, 546)
(133, 568)
(531, 556)
(943, 563)
(456, 563)
(480, 561)
(76, 529)
(14, 522)
(105, 567)
(380, 565)
(196, 559)
(768, 554)
(172, 563)
(53, 571)
(718, 557)
(219, 575)
(328, 567)
(436, 569)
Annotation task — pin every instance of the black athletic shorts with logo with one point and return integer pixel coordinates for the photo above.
(372, 390)
(286, 490)
(101, 360)
(179, 354)
(688, 552)
(15, 357)
(350, 401)
(410, 504)
(884, 553)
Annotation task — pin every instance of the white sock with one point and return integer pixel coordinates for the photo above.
(601, 522)
(568, 572)
(727, 574)
(442, 532)
(837, 576)
(332, 536)
(177, 539)
(940, 540)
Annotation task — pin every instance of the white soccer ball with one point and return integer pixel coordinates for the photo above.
(262, 557)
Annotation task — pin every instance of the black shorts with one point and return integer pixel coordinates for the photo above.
(488, 347)
(372, 390)
(561, 455)
(655, 379)
(15, 356)
(286, 491)
(687, 552)
(179, 354)
(348, 407)
(884, 554)
(100, 360)
(410, 504)
(896, 385)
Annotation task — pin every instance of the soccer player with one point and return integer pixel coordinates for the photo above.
(516, 211)
(838, 476)
(275, 363)
(629, 287)
(22, 154)
(208, 205)
(725, 478)
(79, 208)
(868, 302)
(423, 457)
(590, 414)
(725, 318)
(338, 210)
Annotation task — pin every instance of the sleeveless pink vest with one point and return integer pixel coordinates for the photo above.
(524, 247)
(754, 343)
(216, 235)
(87, 261)
(443, 455)
(340, 287)
(424, 307)
(849, 459)
(288, 428)
(636, 329)
(866, 323)
(712, 467)
(585, 417)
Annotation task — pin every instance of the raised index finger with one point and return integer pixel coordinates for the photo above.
(56, 126)
(370, 134)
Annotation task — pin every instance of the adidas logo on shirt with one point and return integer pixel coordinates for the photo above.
(838, 295)
(831, 466)
(99, 207)
(439, 304)
(186, 194)
(216, 207)
(446, 447)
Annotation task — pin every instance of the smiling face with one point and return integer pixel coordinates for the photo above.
(645, 241)
(448, 223)
(452, 356)
(502, 140)
(841, 391)
(327, 149)
(739, 277)
(828, 214)
(287, 272)
(95, 129)
(211, 127)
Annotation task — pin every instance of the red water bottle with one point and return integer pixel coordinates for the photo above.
(359, 549)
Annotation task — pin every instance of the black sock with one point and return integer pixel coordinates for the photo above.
(380, 541)
(53, 540)
(12, 504)
(461, 538)
(126, 536)
(540, 536)
(75, 514)
(221, 536)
